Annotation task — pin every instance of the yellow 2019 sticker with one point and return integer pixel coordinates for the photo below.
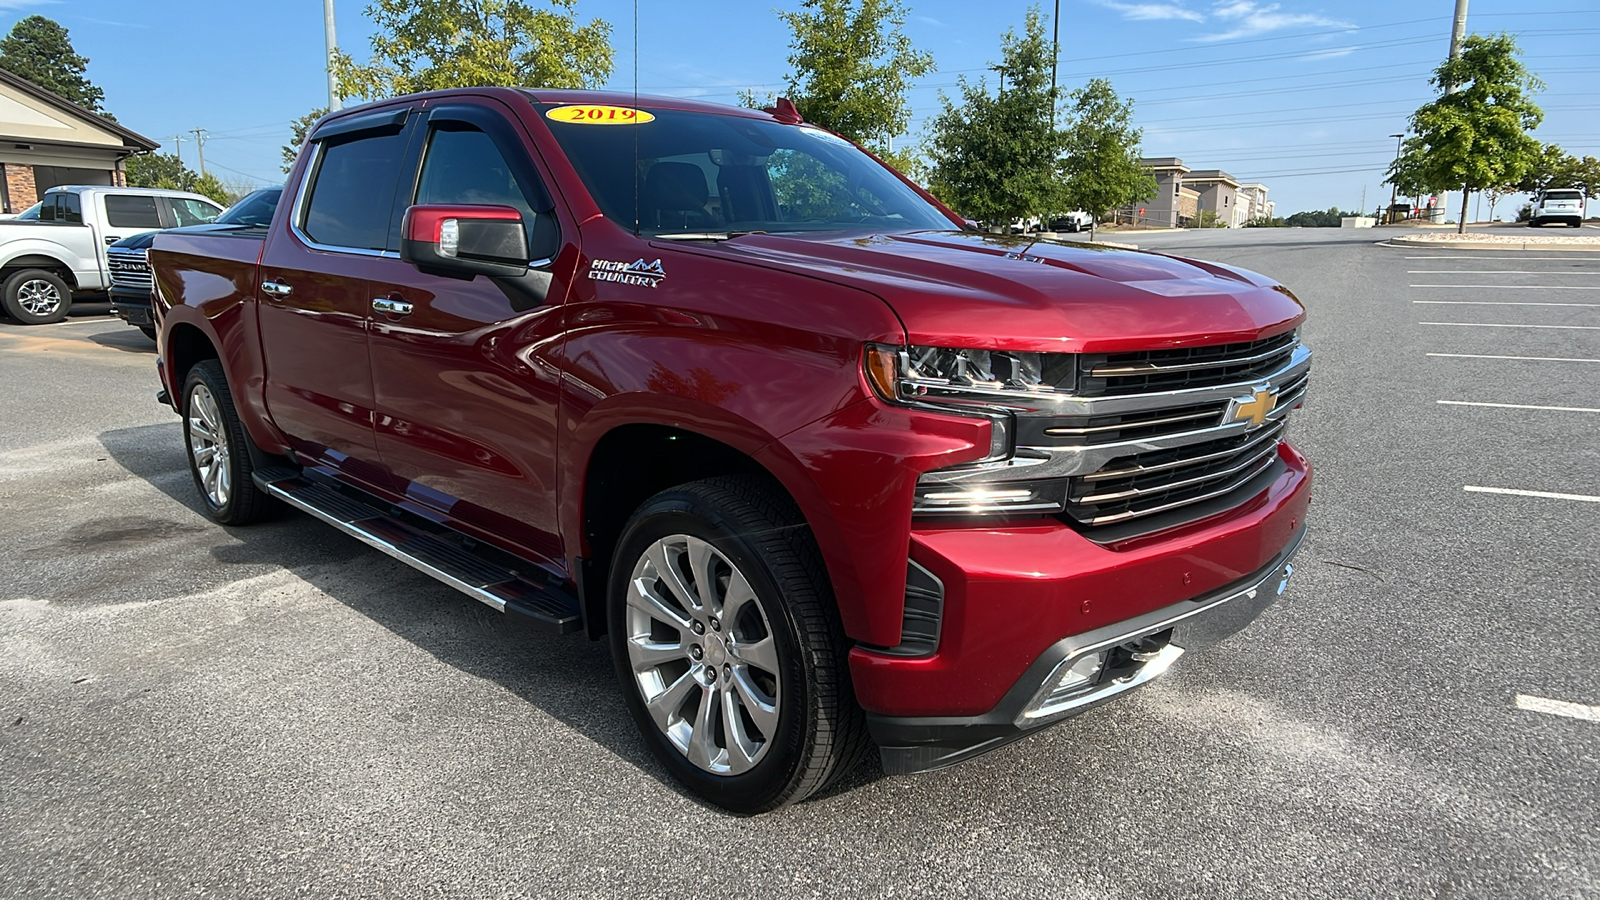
(586, 114)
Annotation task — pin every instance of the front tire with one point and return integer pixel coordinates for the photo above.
(36, 297)
(219, 456)
(728, 648)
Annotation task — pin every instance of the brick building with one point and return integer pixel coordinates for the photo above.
(46, 141)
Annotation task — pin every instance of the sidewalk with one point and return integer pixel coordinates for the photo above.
(1478, 241)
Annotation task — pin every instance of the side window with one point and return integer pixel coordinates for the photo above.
(131, 211)
(352, 194)
(193, 212)
(465, 166)
(47, 208)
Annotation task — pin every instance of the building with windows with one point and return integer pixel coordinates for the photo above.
(46, 141)
(1182, 194)
(1253, 198)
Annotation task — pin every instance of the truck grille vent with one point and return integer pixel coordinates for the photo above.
(128, 269)
(1149, 371)
(1143, 484)
(1071, 431)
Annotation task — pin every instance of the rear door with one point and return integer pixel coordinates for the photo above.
(123, 215)
(466, 390)
(315, 301)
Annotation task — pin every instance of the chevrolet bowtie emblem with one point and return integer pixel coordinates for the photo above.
(1254, 407)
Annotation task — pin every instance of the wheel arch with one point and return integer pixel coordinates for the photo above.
(34, 260)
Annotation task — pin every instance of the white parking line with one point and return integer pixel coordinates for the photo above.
(1548, 495)
(1519, 406)
(1503, 303)
(1506, 325)
(1581, 711)
(1527, 358)
(1517, 258)
(1496, 272)
(1517, 287)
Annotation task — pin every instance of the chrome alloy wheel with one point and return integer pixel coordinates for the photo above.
(38, 297)
(208, 444)
(703, 655)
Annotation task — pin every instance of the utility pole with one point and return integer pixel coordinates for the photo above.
(1002, 71)
(1055, 51)
(200, 144)
(333, 44)
(1394, 188)
(1458, 33)
(177, 146)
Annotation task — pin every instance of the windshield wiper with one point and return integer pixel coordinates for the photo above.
(704, 235)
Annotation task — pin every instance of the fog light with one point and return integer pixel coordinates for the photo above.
(1070, 678)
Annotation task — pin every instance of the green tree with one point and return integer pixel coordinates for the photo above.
(1556, 168)
(994, 157)
(1475, 137)
(164, 170)
(852, 67)
(300, 128)
(424, 45)
(40, 50)
(1101, 163)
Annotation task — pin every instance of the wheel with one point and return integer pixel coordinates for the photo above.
(1577, 224)
(149, 331)
(1534, 223)
(728, 648)
(217, 443)
(36, 297)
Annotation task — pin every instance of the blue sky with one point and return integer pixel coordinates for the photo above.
(1300, 94)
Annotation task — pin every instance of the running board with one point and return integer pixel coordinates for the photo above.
(455, 563)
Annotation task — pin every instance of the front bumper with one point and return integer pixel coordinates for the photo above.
(921, 744)
(132, 307)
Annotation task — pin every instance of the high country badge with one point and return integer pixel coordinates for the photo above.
(638, 272)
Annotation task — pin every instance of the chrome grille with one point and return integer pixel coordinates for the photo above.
(1149, 371)
(1143, 484)
(129, 269)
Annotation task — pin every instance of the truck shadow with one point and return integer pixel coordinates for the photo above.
(568, 677)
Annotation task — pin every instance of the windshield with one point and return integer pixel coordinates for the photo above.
(708, 174)
(31, 212)
(255, 209)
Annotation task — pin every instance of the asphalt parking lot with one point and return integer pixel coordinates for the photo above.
(187, 710)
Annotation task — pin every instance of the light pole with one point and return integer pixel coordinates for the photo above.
(332, 41)
(1394, 188)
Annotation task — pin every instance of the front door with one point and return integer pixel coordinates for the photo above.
(315, 302)
(466, 394)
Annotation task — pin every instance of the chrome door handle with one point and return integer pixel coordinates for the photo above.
(392, 307)
(276, 289)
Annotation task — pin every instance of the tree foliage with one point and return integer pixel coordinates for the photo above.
(996, 157)
(852, 67)
(424, 45)
(1319, 218)
(299, 128)
(1100, 165)
(1474, 137)
(40, 50)
(164, 170)
(1556, 168)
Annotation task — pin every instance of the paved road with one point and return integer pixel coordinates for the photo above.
(187, 710)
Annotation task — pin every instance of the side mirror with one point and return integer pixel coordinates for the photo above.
(462, 241)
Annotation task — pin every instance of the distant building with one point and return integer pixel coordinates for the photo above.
(46, 141)
(1183, 193)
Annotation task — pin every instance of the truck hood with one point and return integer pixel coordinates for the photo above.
(999, 292)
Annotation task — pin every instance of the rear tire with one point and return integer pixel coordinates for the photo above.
(728, 647)
(36, 297)
(219, 455)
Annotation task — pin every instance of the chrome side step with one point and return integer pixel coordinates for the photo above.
(455, 563)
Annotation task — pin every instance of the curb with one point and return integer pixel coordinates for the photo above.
(1112, 244)
(1490, 245)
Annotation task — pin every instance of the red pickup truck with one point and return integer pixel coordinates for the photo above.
(828, 469)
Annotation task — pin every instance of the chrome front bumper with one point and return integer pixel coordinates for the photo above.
(909, 745)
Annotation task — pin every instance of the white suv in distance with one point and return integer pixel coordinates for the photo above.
(1560, 205)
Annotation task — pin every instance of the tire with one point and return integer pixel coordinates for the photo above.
(1534, 223)
(149, 331)
(1577, 224)
(779, 720)
(217, 445)
(36, 297)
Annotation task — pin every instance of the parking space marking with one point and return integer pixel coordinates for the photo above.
(1583, 409)
(1508, 258)
(1548, 495)
(1504, 303)
(1527, 358)
(1499, 272)
(1581, 711)
(1516, 287)
(1509, 325)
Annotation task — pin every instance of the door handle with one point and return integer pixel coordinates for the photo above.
(392, 307)
(276, 289)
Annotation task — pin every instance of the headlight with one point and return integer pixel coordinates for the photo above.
(988, 384)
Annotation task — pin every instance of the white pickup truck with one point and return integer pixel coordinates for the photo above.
(58, 247)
